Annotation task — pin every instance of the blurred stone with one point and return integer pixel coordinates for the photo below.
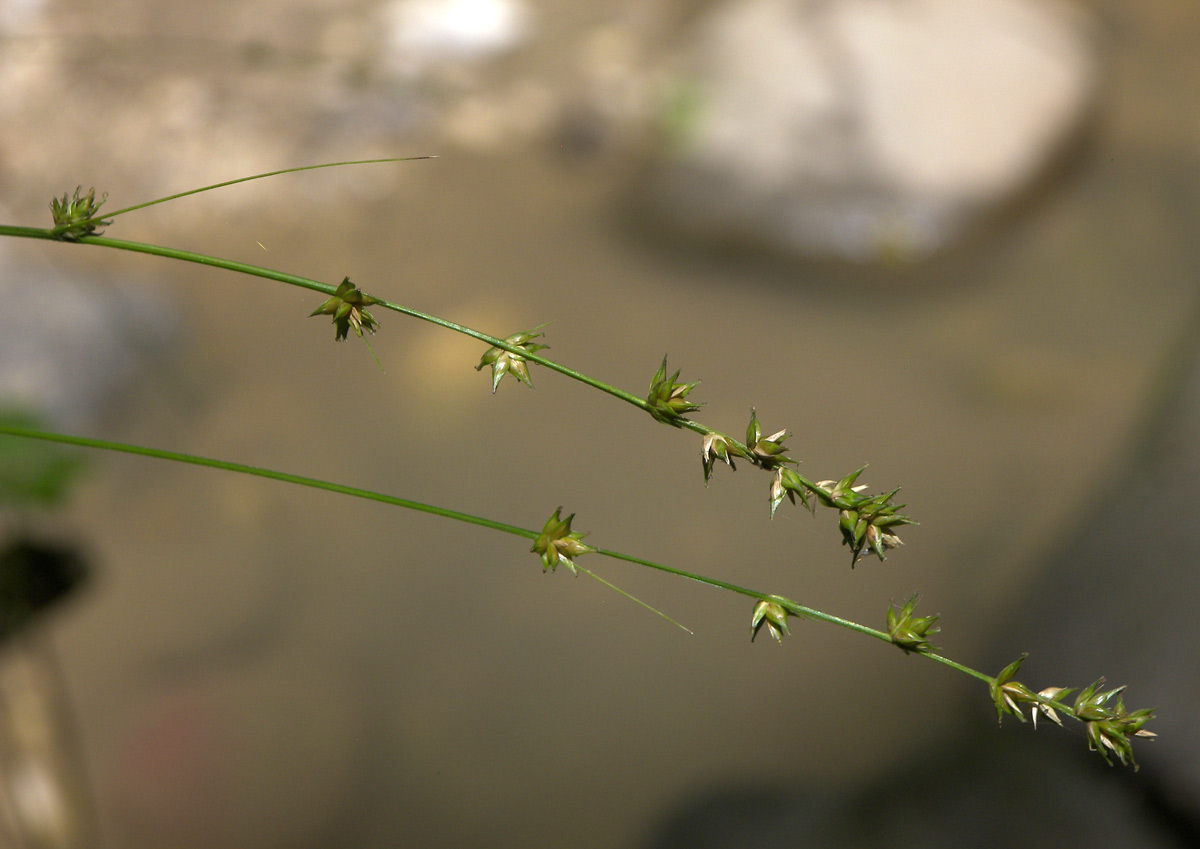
(862, 129)
(83, 342)
(421, 34)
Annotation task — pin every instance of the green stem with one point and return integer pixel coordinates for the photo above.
(241, 468)
(244, 268)
(315, 483)
(735, 445)
(791, 606)
(327, 289)
(110, 215)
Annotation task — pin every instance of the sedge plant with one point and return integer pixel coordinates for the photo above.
(869, 523)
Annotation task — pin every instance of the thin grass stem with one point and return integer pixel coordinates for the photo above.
(457, 515)
(110, 215)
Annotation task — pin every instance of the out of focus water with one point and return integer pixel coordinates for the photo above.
(262, 666)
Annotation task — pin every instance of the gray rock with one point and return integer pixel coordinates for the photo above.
(67, 348)
(862, 128)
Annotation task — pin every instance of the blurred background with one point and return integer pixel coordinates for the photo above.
(954, 239)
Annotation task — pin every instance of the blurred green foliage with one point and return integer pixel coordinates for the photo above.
(32, 473)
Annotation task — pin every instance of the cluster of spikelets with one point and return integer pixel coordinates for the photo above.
(868, 523)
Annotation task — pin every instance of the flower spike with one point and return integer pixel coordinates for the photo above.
(773, 615)
(715, 447)
(505, 362)
(77, 216)
(1109, 726)
(766, 451)
(1008, 695)
(1044, 706)
(868, 524)
(787, 483)
(558, 544)
(348, 308)
(909, 632)
(667, 399)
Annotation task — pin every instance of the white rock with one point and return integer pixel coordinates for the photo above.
(419, 34)
(868, 127)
